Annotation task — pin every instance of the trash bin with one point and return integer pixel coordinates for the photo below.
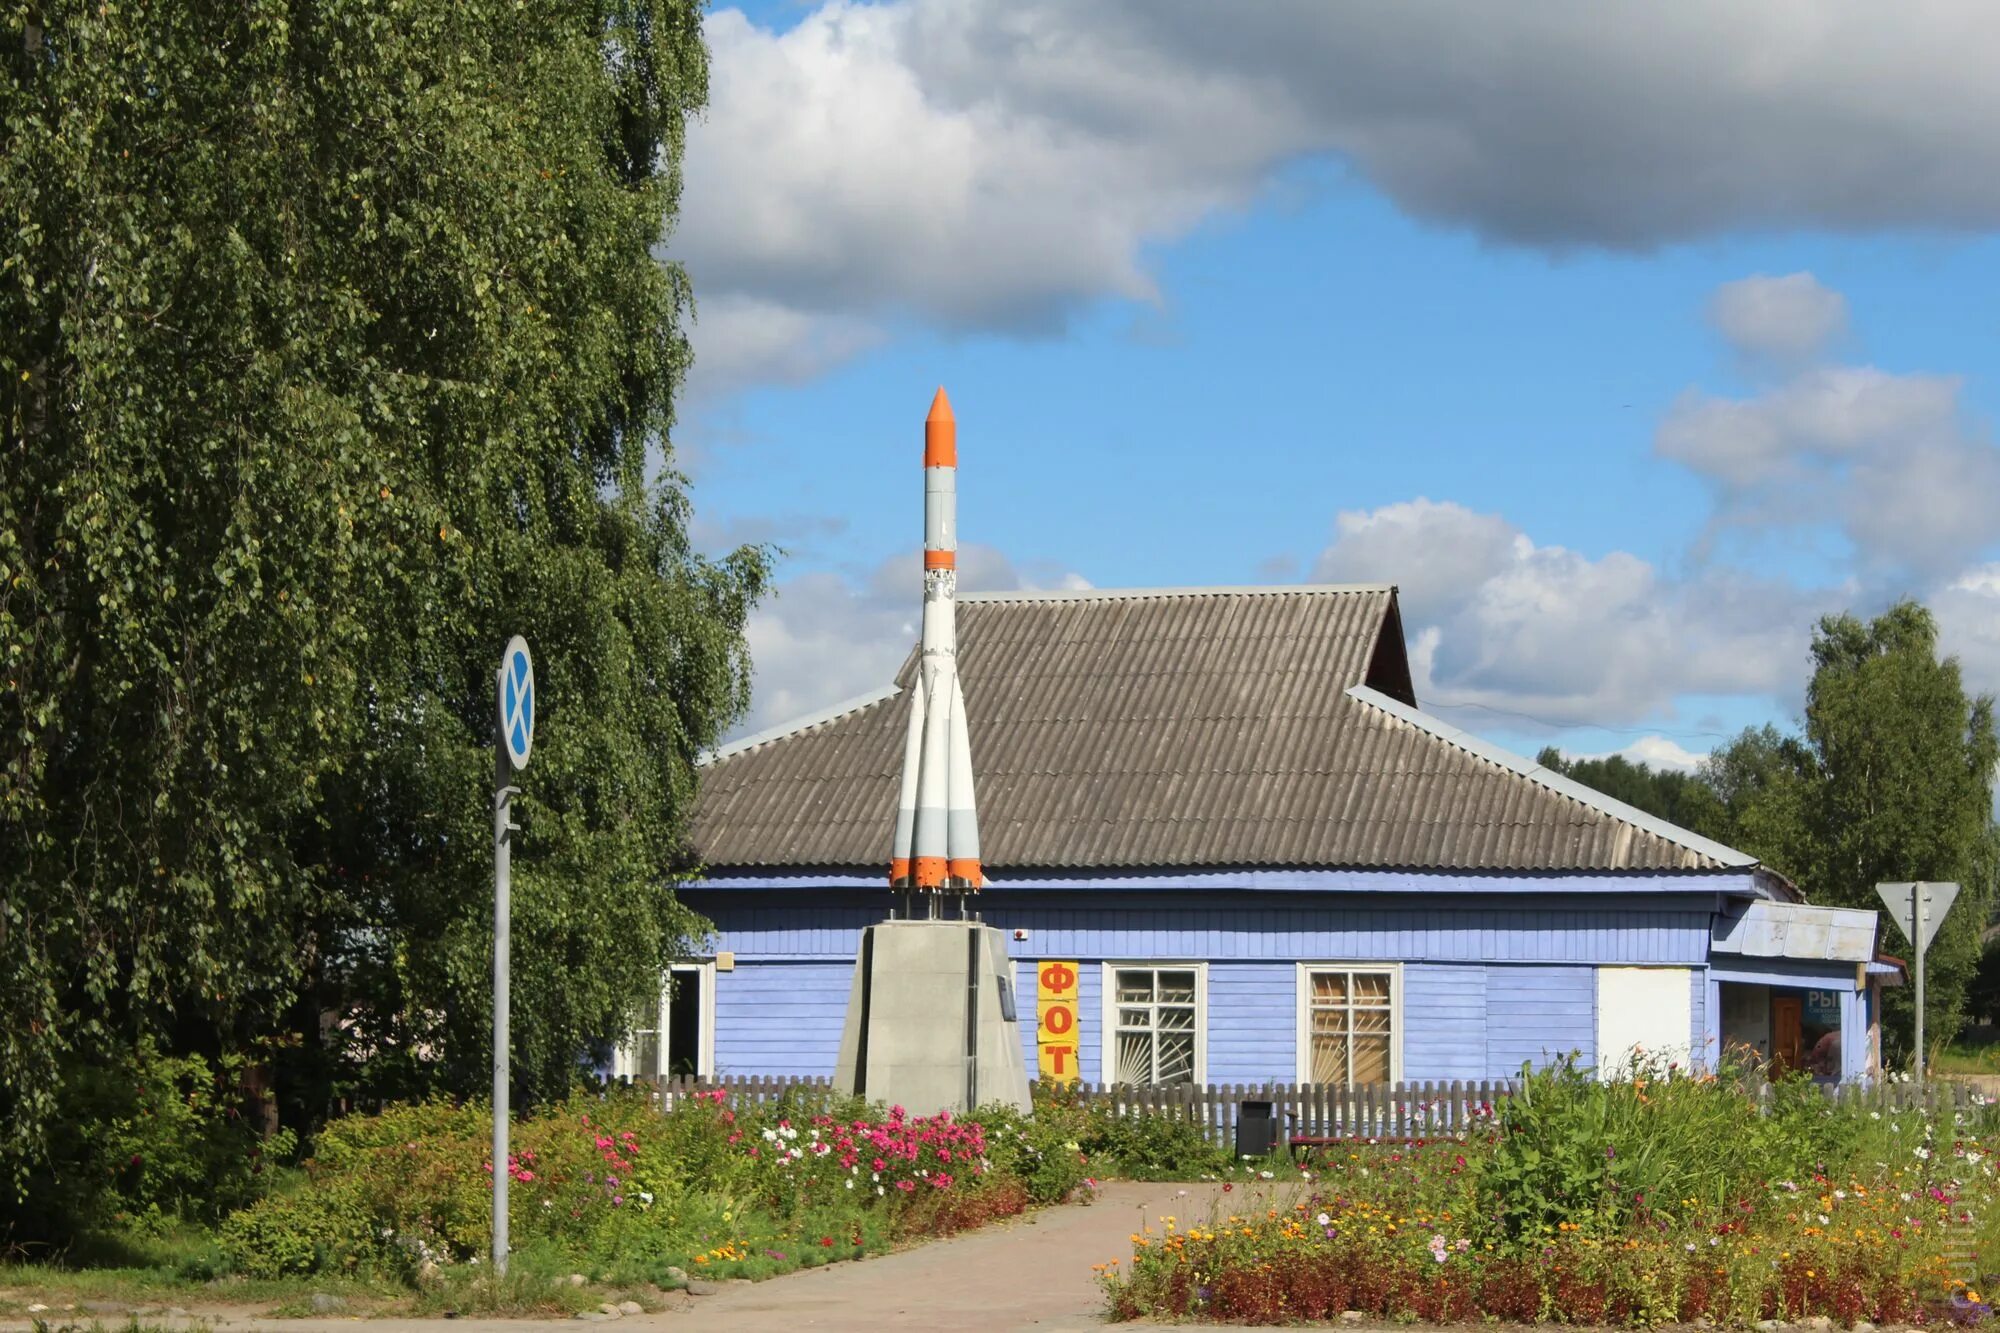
(1256, 1129)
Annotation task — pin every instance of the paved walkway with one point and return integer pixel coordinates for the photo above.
(1031, 1272)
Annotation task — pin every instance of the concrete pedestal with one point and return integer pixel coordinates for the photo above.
(933, 1023)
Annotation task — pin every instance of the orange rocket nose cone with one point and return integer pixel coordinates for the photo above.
(940, 433)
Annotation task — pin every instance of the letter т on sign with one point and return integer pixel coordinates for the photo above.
(1056, 1027)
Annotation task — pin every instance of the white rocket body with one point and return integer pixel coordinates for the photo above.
(937, 824)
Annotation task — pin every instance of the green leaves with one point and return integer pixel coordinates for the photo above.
(286, 294)
(1891, 780)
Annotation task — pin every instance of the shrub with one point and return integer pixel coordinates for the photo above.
(616, 1182)
(151, 1139)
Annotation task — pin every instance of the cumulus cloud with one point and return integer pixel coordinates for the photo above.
(995, 164)
(1968, 612)
(824, 637)
(1783, 319)
(1895, 462)
(1498, 621)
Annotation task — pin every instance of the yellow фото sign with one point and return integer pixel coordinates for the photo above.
(1056, 1021)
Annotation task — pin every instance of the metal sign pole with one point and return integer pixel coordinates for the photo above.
(1917, 919)
(503, 795)
(513, 739)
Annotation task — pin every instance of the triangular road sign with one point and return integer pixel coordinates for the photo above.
(1901, 900)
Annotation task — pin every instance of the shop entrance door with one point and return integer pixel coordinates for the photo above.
(1787, 1034)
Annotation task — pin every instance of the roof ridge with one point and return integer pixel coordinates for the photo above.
(1219, 590)
(797, 724)
(1549, 778)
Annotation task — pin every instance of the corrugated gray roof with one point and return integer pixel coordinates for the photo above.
(1179, 728)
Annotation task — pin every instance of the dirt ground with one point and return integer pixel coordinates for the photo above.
(1032, 1272)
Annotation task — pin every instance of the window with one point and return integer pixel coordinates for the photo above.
(675, 1034)
(1153, 1023)
(1349, 1031)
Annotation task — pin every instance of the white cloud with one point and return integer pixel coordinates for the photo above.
(1661, 753)
(1892, 460)
(824, 637)
(1784, 318)
(1968, 612)
(1550, 635)
(743, 340)
(995, 164)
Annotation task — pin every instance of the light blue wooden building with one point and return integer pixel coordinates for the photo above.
(1226, 808)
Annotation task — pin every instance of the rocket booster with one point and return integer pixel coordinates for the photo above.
(937, 825)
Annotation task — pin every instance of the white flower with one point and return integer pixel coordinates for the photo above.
(1874, 1115)
(878, 1190)
(1840, 1194)
(645, 1197)
(1263, 1175)
(770, 1136)
(1923, 1153)
(849, 1183)
(1322, 1219)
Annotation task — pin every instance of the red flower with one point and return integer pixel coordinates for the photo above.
(826, 1241)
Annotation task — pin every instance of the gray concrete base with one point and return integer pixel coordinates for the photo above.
(928, 1019)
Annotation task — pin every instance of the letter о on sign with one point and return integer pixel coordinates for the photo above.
(517, 702)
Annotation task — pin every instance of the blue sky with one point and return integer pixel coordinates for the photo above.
(1623, 385)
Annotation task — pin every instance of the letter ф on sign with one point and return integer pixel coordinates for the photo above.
(1056, 1026)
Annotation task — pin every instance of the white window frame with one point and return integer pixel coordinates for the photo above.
(1302, 993)
(1107, 1012)
(624, 1055)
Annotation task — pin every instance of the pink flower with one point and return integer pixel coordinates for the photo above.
(906, 1185)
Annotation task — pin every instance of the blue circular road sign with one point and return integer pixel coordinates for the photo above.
(517, 701)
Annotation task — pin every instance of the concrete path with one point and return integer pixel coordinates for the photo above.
(1031, 1272)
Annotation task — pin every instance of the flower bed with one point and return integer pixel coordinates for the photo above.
(1874, 1217)
(620, 1190)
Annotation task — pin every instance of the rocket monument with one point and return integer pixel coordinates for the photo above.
(932, 1019)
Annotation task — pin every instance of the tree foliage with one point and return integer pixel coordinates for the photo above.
(1891, 779)
(334, 349)
(1681, 798)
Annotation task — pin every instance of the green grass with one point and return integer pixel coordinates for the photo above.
(1975, 1051)
(174, 1268)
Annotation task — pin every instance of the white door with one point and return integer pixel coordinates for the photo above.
(1645, 1019)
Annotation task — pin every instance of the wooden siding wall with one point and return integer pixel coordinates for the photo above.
(1484, 988)
(1270, 925)
(781, 1018)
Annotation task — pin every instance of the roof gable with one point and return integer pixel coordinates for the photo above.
(1233, 727)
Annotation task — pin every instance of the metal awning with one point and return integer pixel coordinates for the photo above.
(1763, 929)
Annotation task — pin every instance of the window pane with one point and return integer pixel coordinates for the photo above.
(1371, 1059)
(1329, 1060)
(1371, 988)
(1329, 1022)
(1135, 1058)
(1138, 1020)
(1177, 987)
(1176, 1058)
(1329, 987)
(1374, 1021)
(646, 1055)
(1135, 987)
(1176, 1018)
